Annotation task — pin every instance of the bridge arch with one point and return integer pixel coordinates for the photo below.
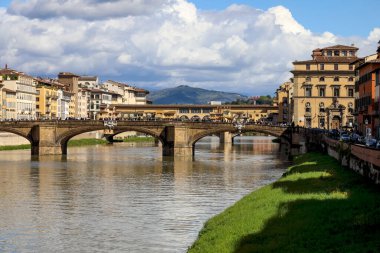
(233, 131)
(64, 138)
(25, 134)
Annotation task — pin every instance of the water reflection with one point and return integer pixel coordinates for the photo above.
(125, 199)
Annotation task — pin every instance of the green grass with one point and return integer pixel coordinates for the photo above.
(85, 142)
(317, 206)
(15, 147)
(139, 139)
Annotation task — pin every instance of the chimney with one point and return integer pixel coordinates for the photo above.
(378, 50)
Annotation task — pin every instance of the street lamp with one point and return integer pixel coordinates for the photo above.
(367, 129)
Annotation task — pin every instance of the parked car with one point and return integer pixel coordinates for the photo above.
(354, 137)
(378, 144)
(361, 140)
(370, 142)
(344, 137)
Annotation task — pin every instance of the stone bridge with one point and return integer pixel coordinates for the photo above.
(177, 138)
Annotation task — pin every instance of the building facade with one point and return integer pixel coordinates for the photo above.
(323, 91)
(283, 95)
(24, 88)
(72, 81)
(47, 98)
(128, 94)
(367, 87)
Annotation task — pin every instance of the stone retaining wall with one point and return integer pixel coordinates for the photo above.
(363, 160)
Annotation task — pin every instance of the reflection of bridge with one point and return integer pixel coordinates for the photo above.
(177, 138)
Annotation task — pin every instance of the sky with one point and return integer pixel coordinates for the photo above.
(243, 46)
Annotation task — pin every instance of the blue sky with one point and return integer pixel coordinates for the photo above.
(341, 17)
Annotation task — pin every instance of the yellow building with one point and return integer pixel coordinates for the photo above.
(323, 92)
(9, 109)
(24, 88)
(283, 97)
(47, 98)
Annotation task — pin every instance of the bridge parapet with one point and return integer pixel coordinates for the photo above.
(178, 138)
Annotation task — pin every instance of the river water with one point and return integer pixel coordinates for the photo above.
(126, 198)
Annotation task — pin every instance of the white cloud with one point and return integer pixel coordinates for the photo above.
(160, 43)
(82, 9)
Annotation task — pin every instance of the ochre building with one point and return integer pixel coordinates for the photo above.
(323, 92)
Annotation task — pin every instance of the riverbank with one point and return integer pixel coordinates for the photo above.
(317, 206)
(81, 142)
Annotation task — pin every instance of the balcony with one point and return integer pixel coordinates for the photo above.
(308, 114)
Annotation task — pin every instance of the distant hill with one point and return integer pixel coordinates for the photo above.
(189, 95)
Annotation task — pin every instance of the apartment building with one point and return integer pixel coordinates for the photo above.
(367, 88)
(72, 81)
(19, 91)
(89, 82)
(129, 94)
(323, 91)
(47, 106)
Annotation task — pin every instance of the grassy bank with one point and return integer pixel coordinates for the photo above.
(317, 206)
(139, 139)
(85, 142)
(15, 147)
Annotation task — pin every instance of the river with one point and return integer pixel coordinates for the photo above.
(126, 198)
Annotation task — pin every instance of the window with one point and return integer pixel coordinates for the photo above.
(322, 66)
(344, 53)
(336, 91)
(336, 79)
(350, 67)
(322, 122)
(308, 91)
(350, 92)
(308, 79)
(336, 66)
(321, 107)
(322, 79)
(377, 77)
(351, 53)
(351, 79)
(196, 110)
(308, 122)
(329, 53)
(183, 110)
(322, 92)
(307, 66)
(336, 53)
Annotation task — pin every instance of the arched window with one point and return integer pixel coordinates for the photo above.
(322, 79)
(350, 79)
(321, 107)
(307, 107)
(336, 79)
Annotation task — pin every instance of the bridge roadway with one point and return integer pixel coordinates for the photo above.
(177, 138)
